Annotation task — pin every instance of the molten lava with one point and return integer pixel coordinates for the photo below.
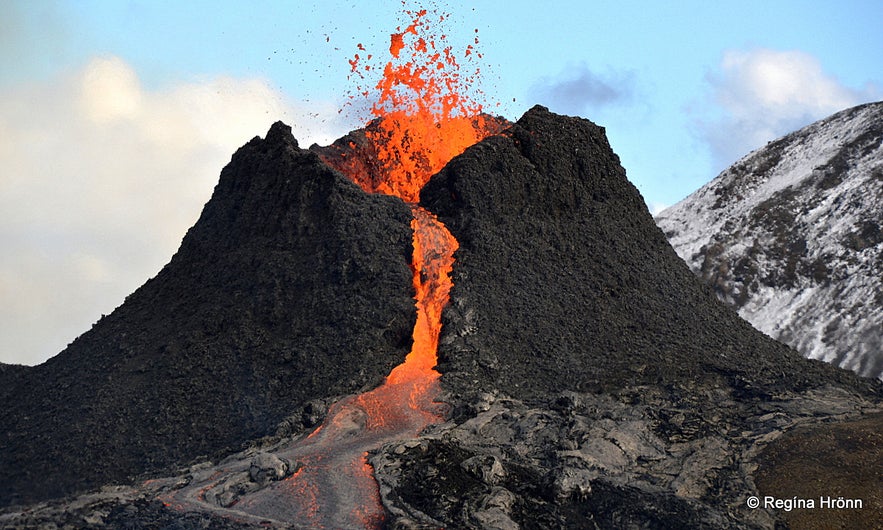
(424, 117)
(433, 260)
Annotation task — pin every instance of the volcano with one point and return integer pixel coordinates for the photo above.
(293, 286)
(588, 378)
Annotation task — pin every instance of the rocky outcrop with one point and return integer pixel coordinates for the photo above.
(644, 457)
(294, 285)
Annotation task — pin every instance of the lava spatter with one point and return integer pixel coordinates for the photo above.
(424, 116)
(425, 112)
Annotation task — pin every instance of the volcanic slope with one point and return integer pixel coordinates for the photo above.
(563, 280)
(790, 236)
(293, 286)
(595, 381)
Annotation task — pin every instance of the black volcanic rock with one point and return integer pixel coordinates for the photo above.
(564, 282)
(293, 286)
(595, 382)
(10, 374)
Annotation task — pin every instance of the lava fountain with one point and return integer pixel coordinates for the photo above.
(422, 118)
(425, 114)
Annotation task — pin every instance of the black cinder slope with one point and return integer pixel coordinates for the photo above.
(293, 285)
(595, 381)
(564, 282)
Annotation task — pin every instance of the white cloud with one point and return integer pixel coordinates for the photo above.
(110, 91)
(788, 83)
(101, 179)
(764, 94)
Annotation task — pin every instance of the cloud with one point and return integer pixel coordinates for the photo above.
(763, 94)
(577, 90)
(100, 180)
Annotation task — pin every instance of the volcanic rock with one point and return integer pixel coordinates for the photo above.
(267, 467)
(595, 382)
(790, 236)
(293, 286)
(564, 282)
(10, 376)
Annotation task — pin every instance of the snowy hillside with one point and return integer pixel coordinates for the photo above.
(791, 235)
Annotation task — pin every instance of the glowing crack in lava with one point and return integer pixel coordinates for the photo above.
(423, 119)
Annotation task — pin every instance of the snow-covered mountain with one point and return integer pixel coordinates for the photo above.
(791, 236)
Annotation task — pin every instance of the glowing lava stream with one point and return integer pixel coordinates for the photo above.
(423, 120)
(334, 486)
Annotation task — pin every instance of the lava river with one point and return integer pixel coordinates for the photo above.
(422, 121)
(334, 486)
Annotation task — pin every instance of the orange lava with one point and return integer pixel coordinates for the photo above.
(425, 114)
(432, 262)
(424, 118)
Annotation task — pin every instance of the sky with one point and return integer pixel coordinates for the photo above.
(116, 117)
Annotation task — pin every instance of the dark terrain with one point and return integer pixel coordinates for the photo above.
(844, 458)
(293, 286)
(570, 284)
(594, 382)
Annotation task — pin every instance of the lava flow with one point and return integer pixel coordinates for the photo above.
(423, 119)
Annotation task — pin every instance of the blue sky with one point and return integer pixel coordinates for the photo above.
(117, 116)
